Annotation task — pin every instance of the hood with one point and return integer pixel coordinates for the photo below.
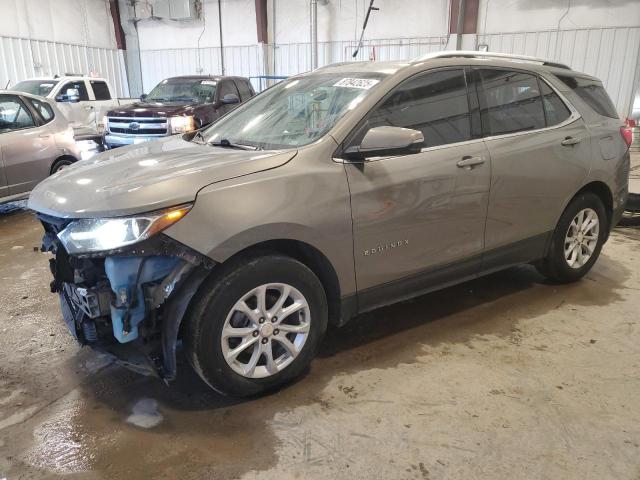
(154, 109)
(145, 177)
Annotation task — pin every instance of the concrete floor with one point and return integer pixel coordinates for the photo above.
(502, 377)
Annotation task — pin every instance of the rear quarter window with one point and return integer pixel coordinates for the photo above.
(593, 94)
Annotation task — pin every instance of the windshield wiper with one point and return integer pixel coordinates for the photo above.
(227, 144)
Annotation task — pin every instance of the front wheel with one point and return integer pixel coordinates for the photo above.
(577, 239)
(256, 325)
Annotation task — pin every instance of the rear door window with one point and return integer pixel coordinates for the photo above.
(245, 89)
(100, 90)
(44, 110)
(14, 115)
(227, 87)
(554, 108)
(510, 102)
(593, 93)
(435, 103)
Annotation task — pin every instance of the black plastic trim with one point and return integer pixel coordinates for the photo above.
(523, 251)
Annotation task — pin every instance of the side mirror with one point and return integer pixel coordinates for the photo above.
(143, 97)
(387, 141)
(72, 95)
(230, 98)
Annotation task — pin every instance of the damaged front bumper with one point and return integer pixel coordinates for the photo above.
(129, 303)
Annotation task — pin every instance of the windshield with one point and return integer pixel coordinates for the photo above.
(184, 90)
(294, 112)
(35, 87)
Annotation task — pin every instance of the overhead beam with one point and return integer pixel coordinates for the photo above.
(469, 17)
(121, 43)
(261, 21)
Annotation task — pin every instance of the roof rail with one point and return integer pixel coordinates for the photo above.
(478, 54)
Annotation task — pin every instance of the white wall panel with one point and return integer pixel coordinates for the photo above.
(295, 58)
(611, 54)
(21, 58)
(290, 59)
(245, 61)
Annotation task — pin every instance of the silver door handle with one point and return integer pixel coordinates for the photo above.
(43, 135)
(469, 162)
(89, 107)
(569, 141)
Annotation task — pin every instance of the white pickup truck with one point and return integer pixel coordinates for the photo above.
(82, 99)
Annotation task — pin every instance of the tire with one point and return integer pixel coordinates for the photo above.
(633, 203)
(60, 164)
(556, 266)
(214, 309)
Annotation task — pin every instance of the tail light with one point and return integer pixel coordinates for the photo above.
(627, 135)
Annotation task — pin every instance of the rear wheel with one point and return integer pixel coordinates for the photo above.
(61, 164)
(257, 325)
(577, 239)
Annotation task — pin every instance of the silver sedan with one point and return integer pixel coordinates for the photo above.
(35, 142)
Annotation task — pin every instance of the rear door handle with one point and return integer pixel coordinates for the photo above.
(43, 135)
(570, 141)
(468, 162)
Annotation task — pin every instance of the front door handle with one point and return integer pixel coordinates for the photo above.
(570, 141)
(43, 135)
(90, 107)
(468, 162)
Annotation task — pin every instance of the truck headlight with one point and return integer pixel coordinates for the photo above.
(105, 124)
(182, 124)
(88, 235)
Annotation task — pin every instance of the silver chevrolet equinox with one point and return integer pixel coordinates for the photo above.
(330, 194)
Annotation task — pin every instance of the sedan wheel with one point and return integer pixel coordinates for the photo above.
(266, 330)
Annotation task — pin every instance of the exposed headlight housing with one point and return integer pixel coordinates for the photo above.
(90, 235)
(182, 124)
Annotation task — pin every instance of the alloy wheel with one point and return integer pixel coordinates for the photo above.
(265, 330)
(581, 239)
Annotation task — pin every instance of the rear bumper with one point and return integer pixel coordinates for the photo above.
(114, 140)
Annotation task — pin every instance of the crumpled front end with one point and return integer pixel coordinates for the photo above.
(129, 302)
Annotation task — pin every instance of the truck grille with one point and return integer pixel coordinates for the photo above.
(138, 126)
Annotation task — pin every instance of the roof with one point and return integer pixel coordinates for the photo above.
(62, 77)
(202, 77)
(23, 94)
(453, 57)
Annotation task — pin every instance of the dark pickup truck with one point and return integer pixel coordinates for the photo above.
(176, 105)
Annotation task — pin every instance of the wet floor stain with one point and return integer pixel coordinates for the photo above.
(145, 414)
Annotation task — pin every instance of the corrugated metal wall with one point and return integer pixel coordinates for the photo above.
(290, 59)
(21, 58)
(295, 58)
(245, 61)
(611, 54)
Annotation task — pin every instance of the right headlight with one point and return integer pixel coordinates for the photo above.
(89, 235)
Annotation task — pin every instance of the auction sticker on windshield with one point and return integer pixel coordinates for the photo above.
(363, 83)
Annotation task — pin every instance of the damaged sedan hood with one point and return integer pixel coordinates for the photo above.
(145, 177)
